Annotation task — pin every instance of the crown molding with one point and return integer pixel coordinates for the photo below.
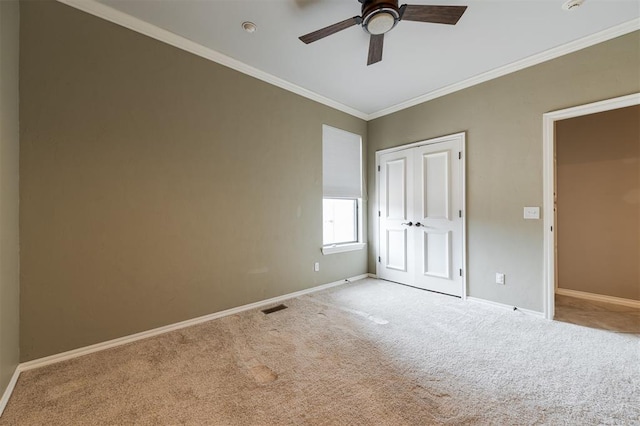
(105, 12)
(112, 15)
(590, 40)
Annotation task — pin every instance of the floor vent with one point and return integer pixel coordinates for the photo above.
(274, 309)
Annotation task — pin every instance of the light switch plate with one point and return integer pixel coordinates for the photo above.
(532, 212)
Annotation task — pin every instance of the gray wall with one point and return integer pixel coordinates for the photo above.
(9, 149)
(598, 199)
(158, 186)
(503, 121)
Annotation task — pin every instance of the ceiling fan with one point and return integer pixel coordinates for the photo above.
(380, 16)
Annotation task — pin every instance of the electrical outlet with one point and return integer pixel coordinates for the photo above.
(499, 278)
(532, 212)
(316, 266)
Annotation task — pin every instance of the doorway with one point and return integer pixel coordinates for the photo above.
(551, 221)
(421, 215)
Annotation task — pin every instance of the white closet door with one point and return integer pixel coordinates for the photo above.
(396, 262)
(421, 217)
(438, 217)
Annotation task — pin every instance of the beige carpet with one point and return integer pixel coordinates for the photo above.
(367, 353)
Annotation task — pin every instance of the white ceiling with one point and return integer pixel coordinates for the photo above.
(419, 59)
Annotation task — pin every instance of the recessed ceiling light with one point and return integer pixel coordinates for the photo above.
(572, 4)
(249, 27)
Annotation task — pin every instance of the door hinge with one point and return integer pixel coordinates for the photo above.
(552, 229)
(379, 213)
(379, 259)
(460, 272)
(459, 155)
(459, 213)
(378, 168)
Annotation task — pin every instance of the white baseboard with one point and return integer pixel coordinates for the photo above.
(52, 359)
(598, 297)
(9, 390)
(507, 307)
(374, 276)
(41, 362)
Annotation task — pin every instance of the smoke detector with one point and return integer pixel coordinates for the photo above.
(249, 27)
(572, 4)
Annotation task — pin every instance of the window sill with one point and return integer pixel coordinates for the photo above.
(341, 248)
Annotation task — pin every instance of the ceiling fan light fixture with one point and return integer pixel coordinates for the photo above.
(381, 21)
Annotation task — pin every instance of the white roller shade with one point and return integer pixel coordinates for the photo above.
(341, 163)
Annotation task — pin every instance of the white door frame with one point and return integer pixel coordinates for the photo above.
(548, 182)
(376, 228)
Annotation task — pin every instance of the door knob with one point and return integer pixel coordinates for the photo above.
(407, 223)
(418, 224)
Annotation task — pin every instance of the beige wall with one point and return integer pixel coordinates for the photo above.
(598, 189)
(158, 186)
(503, 121)
(9, 149)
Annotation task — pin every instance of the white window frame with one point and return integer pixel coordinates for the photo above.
(350, 246)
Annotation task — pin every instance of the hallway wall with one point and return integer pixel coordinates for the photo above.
(598, 203)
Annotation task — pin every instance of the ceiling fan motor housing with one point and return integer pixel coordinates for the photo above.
(379, 16)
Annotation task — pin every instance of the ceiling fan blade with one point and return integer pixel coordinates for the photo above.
(331, 29)
(435, 14)
(375, 48)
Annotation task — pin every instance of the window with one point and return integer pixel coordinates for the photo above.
(342, 191)
(340, 221)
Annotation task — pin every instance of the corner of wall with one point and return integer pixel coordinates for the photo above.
(9, 198)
